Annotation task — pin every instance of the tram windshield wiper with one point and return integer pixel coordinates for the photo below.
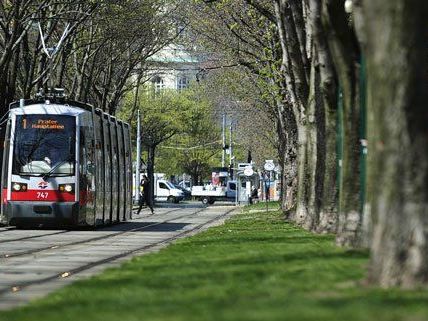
(30, 174)
(53, 169)
(70, 159)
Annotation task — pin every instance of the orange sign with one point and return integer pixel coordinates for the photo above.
(45, 124)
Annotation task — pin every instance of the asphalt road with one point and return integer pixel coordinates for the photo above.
(36, 262)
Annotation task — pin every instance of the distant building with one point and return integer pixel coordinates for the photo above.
(174, 67)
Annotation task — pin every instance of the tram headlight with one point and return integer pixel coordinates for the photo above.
(19, 187)
(66, 188)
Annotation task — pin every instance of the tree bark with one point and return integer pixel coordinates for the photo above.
(296, 92)
(346, 55)
(397, 66)
(308, 180)
(327, 191)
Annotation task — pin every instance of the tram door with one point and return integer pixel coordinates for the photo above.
(99, 170)
(128, 171)
(107, 170)
(4, 173)
(114, 170)
(121, 172)
(87, 170)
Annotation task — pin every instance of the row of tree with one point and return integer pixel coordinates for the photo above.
(100, 52)
(339, 79)
(177, 130)
(103, 44)
(344, 81)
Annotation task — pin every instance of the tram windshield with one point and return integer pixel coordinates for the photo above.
(44, 144)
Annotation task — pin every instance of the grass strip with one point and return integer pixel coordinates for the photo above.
(254, 267)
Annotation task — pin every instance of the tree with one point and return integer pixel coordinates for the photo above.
(234, 93)
(305, 113)
(162, 117)
(104, 44)
(22, 64)
(194, 148)
(290, 55)
(397, 64)
(346, 55)
(239, 36)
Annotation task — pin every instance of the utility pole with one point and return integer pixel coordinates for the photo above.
(137, 169)
(231, 149)
(223, 135)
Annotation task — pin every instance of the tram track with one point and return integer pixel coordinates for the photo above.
(48, 234)
(103, 237)
(20, 286)
(31, 237)
(11, 229)
(7, 229)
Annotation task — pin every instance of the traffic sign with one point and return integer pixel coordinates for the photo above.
(269, 165)
(248, 171)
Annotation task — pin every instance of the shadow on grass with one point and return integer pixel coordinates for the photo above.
(383, 299)
(270, 239)
(228, 260)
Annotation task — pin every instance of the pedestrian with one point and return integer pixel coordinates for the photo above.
(254, 195)
(145, 195)
(267, 192)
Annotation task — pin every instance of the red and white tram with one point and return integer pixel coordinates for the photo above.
(65, 164)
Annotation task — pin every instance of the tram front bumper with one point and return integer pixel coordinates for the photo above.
(57, 213)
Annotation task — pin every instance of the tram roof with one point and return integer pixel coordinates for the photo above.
(52, 101)
(56, 105)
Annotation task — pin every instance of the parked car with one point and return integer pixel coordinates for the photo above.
(185, 185)
(187, 194)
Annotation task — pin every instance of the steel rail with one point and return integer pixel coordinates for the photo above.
(18, 287)
(57, 246)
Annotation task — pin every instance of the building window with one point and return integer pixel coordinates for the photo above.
(158, 84)
(182, 82)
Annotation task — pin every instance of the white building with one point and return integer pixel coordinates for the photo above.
(174, 67)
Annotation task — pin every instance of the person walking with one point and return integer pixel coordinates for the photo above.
(145, 195)
(254, 195)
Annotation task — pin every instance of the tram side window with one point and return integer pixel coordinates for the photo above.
(83, 155)
(87, 151)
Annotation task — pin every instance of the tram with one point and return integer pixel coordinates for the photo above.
(65, 163)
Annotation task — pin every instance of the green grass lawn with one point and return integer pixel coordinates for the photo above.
(255, 267)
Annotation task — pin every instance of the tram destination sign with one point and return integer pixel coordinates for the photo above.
(42, 124)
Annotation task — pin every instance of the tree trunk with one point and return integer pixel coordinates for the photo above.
(287, 133)
(295, 92)
(397, 68)
(282, 148)
(345, 53)
(308, 191)
(326, 124)
(290, 164)
(328, 208)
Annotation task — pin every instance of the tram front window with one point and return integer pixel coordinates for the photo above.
(44, 144)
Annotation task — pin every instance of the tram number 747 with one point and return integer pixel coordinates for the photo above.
(42, 195)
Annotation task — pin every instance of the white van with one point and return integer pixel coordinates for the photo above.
(166, 191)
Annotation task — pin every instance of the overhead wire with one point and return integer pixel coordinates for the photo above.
(192, 147)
